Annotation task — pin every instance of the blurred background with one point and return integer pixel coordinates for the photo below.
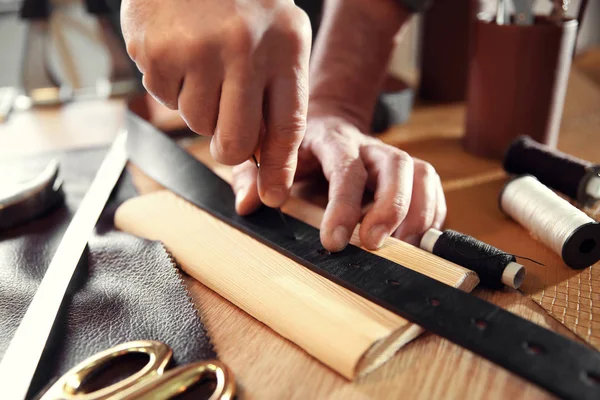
(78, 48)
(56, 51)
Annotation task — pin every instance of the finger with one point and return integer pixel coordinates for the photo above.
(347, 176)
(287, 104)
(165, 91)
(163, 70)
(441, 208)
(240, 115)
(422, 209)
(244, 186)
(286, 122)
(198, 101)
(392, 172)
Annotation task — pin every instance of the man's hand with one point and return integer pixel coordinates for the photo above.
(408, 193)
(227, 66)
(348, 66)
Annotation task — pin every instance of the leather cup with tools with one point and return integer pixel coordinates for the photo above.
(517, 82)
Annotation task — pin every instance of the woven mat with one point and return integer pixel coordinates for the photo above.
(575, 302)
(575, 299)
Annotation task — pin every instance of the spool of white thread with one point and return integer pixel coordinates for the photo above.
(559, 225)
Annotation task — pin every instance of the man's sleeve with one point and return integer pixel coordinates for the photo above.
(415, 5)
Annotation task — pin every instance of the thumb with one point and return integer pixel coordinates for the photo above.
(245, 188)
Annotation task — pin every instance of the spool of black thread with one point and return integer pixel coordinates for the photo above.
(494, 267)
(574, 177)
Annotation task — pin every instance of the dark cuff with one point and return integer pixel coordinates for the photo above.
(415, 6)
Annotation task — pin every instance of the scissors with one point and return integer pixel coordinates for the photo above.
(150, 382)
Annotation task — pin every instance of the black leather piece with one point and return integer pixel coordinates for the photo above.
(547, 359)
(125, 288)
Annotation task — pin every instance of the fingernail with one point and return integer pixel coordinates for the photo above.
(274, 197)
(241, 195)
(340, 237)
(412, 239)
(378, 234)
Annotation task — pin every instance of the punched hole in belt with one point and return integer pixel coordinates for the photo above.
(480, 323)
(392, 282)
(434, 302)
(354, 265)
(533, 348)
(591, 378)
(324, 252)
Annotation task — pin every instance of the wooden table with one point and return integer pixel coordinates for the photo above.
(268, 366)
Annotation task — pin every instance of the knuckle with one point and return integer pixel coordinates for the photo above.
(156, 50)
(399, 207)
(351, 172)
(346, 202)
(399, 158)
(131, 47)
(294, 26)
(290, 131)
(346, 205)
(194, 122)
(281, 162)
(159, 91)
(230, 150)
(277, 174)
(199, 50)
(240, 37)
(425, 170)
(425, 219)
(279, 149)
(418, 223)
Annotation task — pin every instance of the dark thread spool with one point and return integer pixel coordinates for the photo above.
(574, 177)
(494, 267)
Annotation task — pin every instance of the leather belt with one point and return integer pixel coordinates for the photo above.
(563, 367)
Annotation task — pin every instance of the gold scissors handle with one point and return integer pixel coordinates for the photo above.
(151, 382)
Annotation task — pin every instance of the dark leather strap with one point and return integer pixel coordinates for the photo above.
(561, 366)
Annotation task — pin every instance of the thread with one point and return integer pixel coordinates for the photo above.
(494, 267)
(576, 178)
(562, 227)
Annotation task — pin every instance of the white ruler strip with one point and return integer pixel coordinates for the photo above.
(23, 354)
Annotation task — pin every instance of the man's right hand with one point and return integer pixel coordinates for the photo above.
(222, 63)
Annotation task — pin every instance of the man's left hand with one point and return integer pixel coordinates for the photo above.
(408, 194)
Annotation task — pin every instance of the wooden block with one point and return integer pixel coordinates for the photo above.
(341, 329)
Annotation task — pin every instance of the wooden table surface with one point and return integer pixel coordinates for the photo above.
(268, 366)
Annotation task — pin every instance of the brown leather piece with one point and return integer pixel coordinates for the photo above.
(517, 82)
